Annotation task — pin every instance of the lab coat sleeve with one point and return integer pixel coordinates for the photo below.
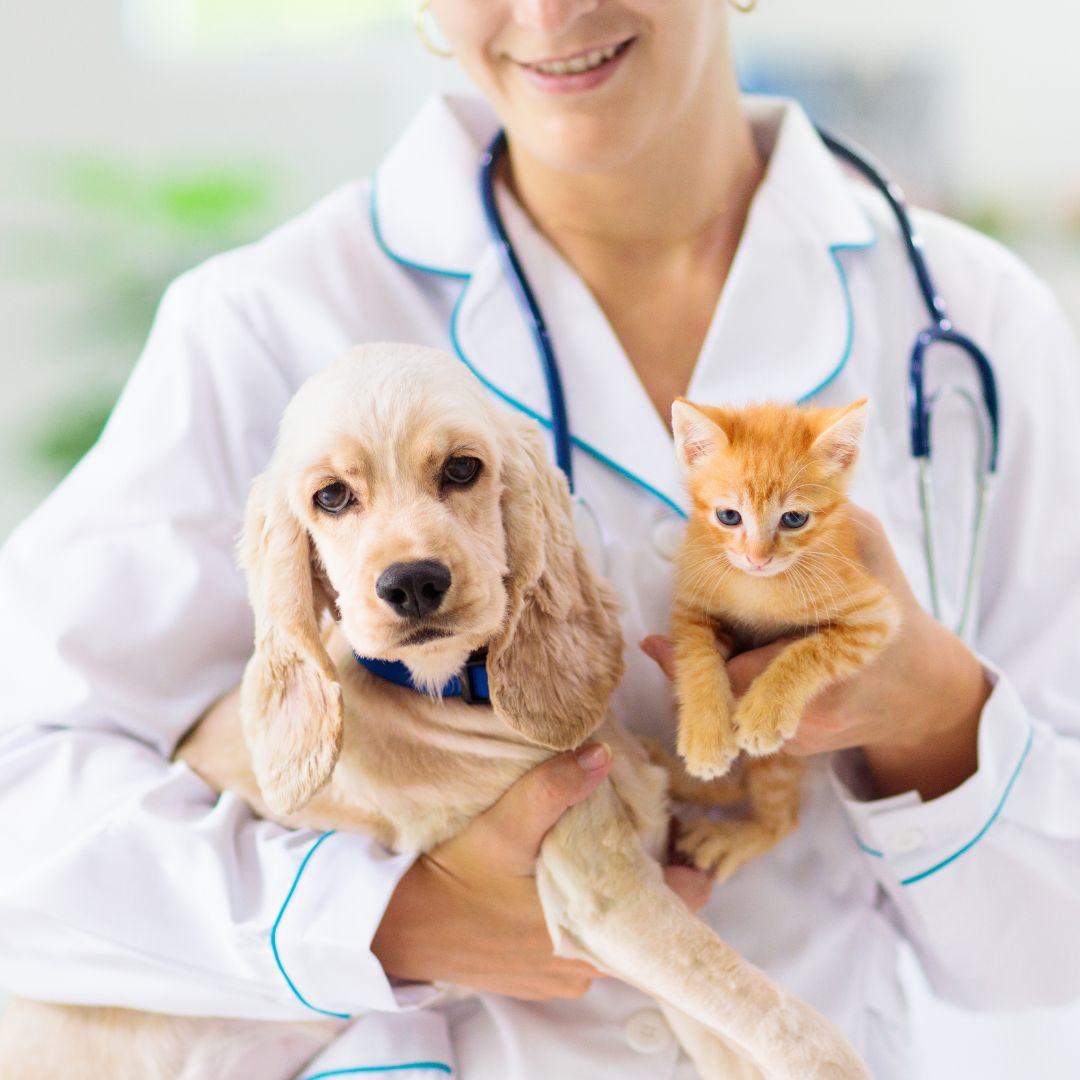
(985, 880)
(125, 880)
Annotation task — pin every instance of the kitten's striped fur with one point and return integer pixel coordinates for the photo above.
(765, 577)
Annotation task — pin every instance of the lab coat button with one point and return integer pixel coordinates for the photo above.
(905, 841)
(647, 1032)
(667, 537)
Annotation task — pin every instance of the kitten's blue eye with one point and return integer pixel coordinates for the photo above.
(794, 519)
(729, 517)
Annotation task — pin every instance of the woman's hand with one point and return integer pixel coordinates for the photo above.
(468, 913)
(914, 711)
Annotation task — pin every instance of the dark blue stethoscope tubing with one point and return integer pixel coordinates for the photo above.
(560, 427)
(920, 407)
(941, 329)
(862, 163)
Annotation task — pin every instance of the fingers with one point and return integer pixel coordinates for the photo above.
(691, 885)
(746, 667)
(876, 552)
(560, 980)
(659, 648)
(512, 830)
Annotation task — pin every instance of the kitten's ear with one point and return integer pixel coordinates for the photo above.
(696, 436)
(838, 444)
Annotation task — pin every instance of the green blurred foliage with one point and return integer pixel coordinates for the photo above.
(991, 219)
(114, 234)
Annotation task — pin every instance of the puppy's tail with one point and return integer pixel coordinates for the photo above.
(606, 901)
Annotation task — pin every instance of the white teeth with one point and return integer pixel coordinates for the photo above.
(578, 64)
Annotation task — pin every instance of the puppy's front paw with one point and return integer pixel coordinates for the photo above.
(803, 1045)
(707, 749)
(763, 723)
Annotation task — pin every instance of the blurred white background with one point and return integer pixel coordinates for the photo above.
(138, 136)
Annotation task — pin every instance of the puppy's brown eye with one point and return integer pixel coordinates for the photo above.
(461, 470)
(333, 498)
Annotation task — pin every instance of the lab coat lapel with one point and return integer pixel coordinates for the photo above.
(610, 415)
(427, 215)
(784, 327)
(425, 204)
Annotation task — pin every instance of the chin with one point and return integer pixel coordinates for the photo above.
(772, 571)
(580, 137)
(433, 664)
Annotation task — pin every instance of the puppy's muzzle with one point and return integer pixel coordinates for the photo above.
(413, 589)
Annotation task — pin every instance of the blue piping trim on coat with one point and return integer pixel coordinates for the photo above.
(834, 251)
(277, 923)
(513, 402)
(869, 850)
(459, 275)
(979, 835)
(438, 1066)
(545, 422)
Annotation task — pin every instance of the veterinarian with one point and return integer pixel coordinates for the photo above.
(680, 240)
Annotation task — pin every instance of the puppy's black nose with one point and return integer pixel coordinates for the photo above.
(415, 588)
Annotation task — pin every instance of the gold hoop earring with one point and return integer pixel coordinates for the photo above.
(746, 8)
(420, 21)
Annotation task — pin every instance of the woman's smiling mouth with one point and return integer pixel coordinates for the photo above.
(581, 71)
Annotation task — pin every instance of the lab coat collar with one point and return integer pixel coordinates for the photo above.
(785, 325)
(425, 201)
(783, 329)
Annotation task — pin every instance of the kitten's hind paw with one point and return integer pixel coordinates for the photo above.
(722, 847)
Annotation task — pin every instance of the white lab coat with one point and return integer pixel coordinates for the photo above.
(126, 880)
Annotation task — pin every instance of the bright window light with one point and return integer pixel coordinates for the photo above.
(204, 29)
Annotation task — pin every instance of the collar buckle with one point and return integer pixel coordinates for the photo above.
(474, 679)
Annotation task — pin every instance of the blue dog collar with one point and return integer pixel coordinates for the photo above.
(470, 684)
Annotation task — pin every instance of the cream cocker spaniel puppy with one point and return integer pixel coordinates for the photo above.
(422, 521)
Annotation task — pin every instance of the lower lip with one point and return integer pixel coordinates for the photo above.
(422, 637)
(580, 82)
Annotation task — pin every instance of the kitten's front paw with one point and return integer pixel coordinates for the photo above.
(707, 749)
(764, 723)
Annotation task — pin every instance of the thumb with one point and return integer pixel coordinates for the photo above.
(514, 827)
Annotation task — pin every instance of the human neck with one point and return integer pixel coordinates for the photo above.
(693, 186)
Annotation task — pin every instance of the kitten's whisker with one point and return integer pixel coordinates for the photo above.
(832, 582)
(812, 599)
(804, 600)
(705, 582)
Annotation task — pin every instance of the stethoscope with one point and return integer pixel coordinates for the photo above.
(920, 404)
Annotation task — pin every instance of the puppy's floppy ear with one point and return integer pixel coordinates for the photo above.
(290, 701)
(556, 662)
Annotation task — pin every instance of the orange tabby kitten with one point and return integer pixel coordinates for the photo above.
(769, 551)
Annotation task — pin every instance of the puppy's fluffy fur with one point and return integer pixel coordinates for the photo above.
(325, 743)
